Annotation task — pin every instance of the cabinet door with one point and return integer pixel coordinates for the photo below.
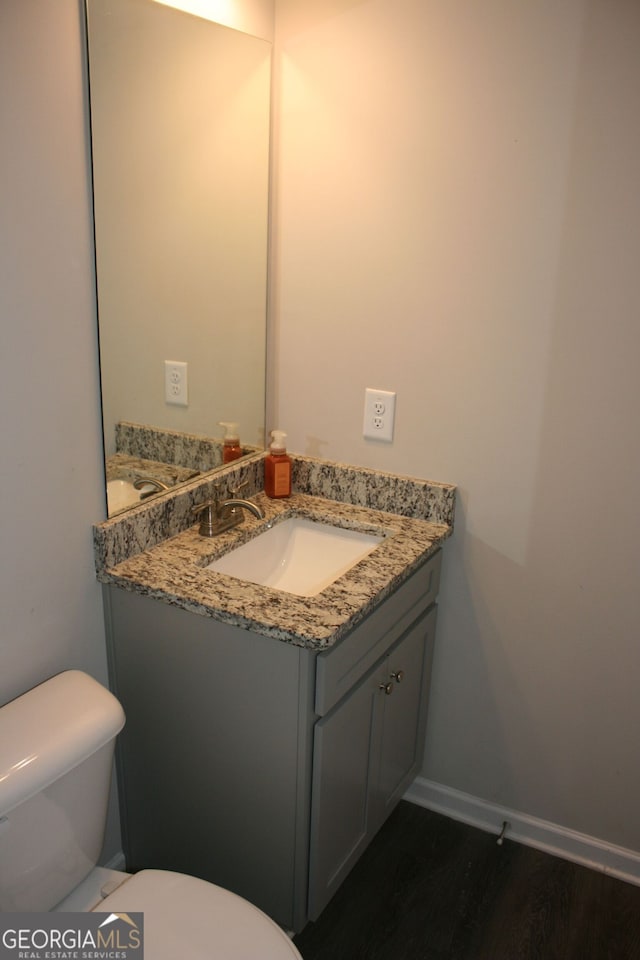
(403, 727)
(340, 793)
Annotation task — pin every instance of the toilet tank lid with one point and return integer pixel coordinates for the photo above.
(50, 730)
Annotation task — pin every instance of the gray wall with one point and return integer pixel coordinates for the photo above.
(470, 235)
(51, 481)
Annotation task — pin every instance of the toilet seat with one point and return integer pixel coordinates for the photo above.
(196, 920)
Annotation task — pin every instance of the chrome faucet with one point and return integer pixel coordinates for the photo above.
(216, 516)
(141, 482)
(159, 486)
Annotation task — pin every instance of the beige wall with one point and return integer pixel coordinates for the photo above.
(457, 217)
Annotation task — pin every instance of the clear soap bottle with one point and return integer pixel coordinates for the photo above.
(231, 448)
(277, 467)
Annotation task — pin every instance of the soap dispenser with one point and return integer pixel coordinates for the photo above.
(277, 467)
(231, 448)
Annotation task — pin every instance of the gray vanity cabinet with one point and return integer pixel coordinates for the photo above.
(259, 765)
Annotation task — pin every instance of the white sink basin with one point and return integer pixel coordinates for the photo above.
(122, 493)
(298, 556)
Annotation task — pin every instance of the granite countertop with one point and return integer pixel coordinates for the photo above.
(173, 571)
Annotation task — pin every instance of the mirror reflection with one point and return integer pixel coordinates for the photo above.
(180, 141)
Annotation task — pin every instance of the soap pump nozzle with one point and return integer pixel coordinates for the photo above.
(278, 444)
(230, 429)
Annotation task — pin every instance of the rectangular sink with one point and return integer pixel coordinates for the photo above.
(298, 556)
(122, 494)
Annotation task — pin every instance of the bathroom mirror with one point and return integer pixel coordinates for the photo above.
(180, 143)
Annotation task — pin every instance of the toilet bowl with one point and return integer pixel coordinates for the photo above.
(56, 749)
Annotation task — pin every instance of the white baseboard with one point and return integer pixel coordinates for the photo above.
(559, 841)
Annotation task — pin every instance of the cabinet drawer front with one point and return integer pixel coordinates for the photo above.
(341, 667)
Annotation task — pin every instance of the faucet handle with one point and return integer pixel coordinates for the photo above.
(234, 494)
(236, 490)
(209, 511)
(199, 507)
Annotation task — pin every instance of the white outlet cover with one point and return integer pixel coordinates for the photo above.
(379, 414)
(175, 383)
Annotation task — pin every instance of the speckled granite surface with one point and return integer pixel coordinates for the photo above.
(168, 514)
(174, 572)
(408, 496)
(170, 456)
(124, 466)
(190, 450)
(155, 550)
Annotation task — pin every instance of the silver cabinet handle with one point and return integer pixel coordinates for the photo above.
(387, 687)
(398, 676)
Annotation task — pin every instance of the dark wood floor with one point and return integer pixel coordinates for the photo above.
(429, 888)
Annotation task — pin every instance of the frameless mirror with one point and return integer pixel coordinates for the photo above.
(180, 142)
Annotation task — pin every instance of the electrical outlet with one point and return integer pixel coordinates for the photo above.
(379, 413)
(175, 383)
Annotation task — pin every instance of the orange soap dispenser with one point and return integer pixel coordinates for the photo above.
(231, 448)
(277, 467)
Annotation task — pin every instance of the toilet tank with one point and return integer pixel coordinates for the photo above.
(56, 750)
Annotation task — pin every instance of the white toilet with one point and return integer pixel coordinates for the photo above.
(56, 749)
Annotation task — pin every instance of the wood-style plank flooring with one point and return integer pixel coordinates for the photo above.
(429, 888)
